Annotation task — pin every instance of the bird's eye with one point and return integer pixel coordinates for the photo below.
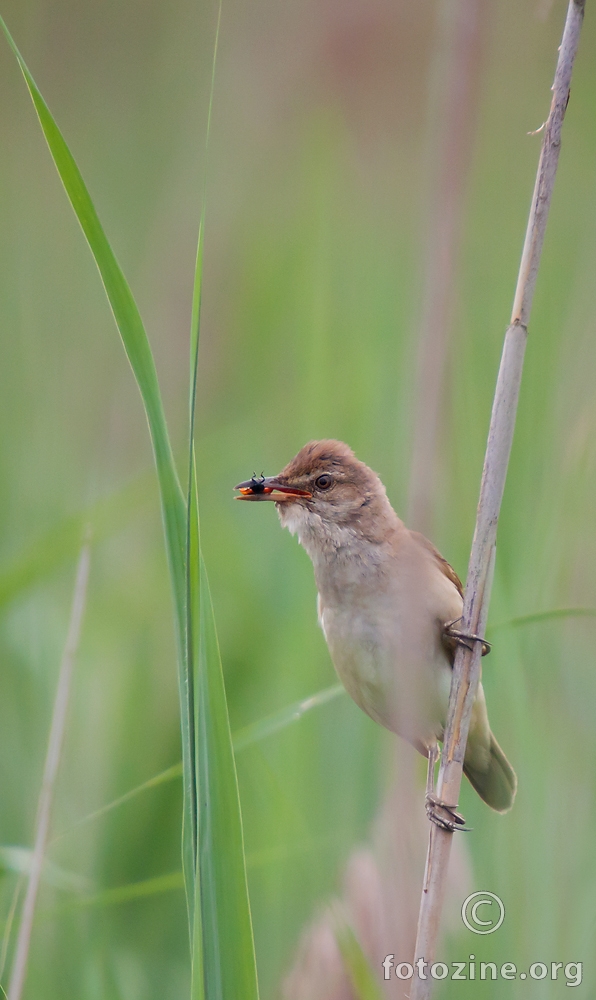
(324, 482)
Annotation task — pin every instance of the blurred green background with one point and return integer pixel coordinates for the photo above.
(314, 257)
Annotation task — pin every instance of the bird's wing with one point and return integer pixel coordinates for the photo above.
(443, 565)
(449, 643)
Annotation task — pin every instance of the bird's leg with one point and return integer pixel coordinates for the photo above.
(440, 813)
(463, 638)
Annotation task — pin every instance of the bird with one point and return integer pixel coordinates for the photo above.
(388, 603)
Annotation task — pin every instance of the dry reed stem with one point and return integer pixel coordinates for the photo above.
(454, 102)
(55, 741)
(378, 900)
(467, 663)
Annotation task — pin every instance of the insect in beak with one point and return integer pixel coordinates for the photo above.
(262, 488)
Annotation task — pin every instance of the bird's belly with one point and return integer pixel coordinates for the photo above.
(389, 671)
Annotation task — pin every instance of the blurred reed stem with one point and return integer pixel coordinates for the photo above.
(466, 671)
(52, 761)
(454, 102)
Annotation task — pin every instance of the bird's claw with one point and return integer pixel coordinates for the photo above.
(465, 639)
(444, 816)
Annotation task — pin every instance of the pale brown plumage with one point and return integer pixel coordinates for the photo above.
(385, 595)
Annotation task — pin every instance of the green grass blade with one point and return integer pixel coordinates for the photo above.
(128, 321)
(213, 854)
(170, 774)
(364, 983)
(228, 968)
(47, 552)
(193, 643)
(544, 616)
(224, 965)
(136, 890)
(138, 350)
(173, 881)
(20, 860)
(257, 731)
(246, 737)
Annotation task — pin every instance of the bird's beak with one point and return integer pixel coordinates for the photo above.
(268, 489)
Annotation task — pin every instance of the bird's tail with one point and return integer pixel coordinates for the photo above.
(495, 784)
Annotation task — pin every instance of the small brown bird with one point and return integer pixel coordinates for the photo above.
(387, 605)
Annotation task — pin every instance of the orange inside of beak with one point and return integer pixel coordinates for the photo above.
(283, 491)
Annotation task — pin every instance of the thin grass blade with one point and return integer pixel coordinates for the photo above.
(138, 350)
(224, 965)
(364, 983)
(213, 854)
(126, 314)
(50, 772)
(544, 616)
(246, 737)
(274, 723)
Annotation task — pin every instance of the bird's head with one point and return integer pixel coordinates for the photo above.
(323, 488)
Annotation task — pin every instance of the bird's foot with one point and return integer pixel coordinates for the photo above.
(465, 639)
(444, 816)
